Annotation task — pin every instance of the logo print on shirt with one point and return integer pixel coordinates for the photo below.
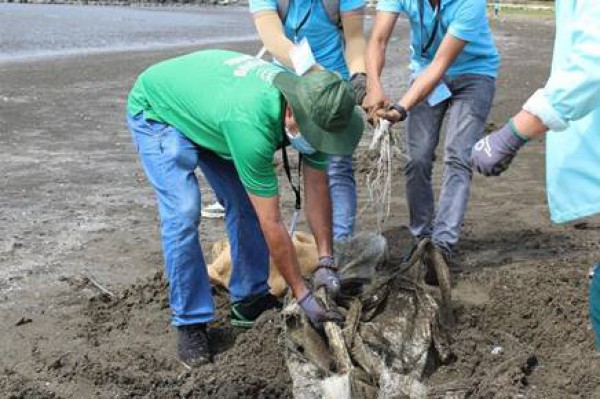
(246, 63)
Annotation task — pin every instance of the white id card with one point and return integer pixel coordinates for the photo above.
(302, 57)
(439, 94)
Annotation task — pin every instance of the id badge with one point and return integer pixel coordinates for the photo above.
(439, 94)
(302, 57)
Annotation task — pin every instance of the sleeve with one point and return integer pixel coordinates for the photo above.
(263, 5)
(468, 20)
(351, 5)
(573, 89)
(317, 160)
(252, 154)
(390, 6)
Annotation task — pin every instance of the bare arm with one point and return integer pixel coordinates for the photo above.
(354, 37)
(380, 36)
(269, 27)
(449, 49)
(279, 242)
(318, 208)
(529, 125)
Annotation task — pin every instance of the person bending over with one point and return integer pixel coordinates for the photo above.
(228, 113)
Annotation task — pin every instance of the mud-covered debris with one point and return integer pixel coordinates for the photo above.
(23, 321)
(392, 339)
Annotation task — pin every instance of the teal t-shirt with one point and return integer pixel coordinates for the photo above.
(326, 40)
(464, 19)
(223, 101)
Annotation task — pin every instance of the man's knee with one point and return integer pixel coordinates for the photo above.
(458, 163)
(185, 215)
(340, 165)
(421, 164)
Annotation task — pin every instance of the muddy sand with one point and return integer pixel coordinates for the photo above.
(75, 207)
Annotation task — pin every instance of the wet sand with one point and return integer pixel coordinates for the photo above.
(37, 31)
(74, 204)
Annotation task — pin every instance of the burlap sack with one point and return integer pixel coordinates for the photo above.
(219, 270)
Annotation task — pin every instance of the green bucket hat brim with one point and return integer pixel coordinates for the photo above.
(342, 142)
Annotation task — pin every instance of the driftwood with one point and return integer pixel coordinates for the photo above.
(335, 337)
(443, 275)
(92, 281)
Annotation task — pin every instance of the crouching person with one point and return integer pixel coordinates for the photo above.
(228, 113)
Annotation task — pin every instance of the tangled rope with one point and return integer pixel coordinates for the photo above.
(385, 146)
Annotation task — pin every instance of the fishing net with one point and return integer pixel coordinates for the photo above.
(386, 152)
(393, 337)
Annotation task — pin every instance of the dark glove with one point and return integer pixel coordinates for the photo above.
(359, 84)
(493, 154)
(394, 113)
(316, 312)
(326, 275)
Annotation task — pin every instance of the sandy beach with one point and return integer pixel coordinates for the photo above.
(75, 207)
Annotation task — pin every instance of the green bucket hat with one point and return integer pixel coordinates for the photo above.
(324, 108)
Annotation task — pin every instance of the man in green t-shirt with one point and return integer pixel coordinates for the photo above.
(228, 113)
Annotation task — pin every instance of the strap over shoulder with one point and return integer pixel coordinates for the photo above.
(332, 9)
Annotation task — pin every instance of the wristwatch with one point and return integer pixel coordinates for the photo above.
(400, 109)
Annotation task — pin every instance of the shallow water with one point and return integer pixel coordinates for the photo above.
(45, 30)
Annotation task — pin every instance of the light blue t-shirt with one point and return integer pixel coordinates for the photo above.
(464, 19)
(325, 38)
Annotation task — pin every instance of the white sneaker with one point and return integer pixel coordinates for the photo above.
(213, 211)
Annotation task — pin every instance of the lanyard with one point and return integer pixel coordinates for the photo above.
(296, 189)
(438, 17)
(302, 22)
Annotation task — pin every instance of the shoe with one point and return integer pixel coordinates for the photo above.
(213, 211)
(245, 312)
(192, 345)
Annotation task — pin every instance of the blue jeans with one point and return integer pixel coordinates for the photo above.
(342, 190)
(467, 111)
(169, 160)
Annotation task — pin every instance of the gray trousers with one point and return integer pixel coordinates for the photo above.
(467, 111)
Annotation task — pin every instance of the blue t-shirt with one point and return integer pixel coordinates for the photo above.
(326, 40)
(464, 19)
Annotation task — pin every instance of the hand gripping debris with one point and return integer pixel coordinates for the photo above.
(393, 334)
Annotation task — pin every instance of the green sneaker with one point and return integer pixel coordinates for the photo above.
(246, 311)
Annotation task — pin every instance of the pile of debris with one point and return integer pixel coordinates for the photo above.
(395, 332)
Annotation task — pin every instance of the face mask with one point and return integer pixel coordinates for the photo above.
(300, 143)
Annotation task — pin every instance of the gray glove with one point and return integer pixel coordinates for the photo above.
(359, 84)
(316, 312)
(327, 276)
(493, 154)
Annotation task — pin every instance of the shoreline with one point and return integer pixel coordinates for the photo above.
(37, 32)
(107, 51)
